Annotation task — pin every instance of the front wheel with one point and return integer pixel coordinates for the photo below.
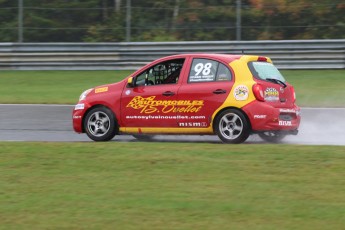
(272, 136)
(100, 124)
(232, 126)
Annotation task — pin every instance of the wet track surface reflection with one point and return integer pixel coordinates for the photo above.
(319, 126)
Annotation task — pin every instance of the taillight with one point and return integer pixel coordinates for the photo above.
(293, 94)
(261, 58)
(258, 92)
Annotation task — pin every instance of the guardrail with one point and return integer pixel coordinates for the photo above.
(286, 54)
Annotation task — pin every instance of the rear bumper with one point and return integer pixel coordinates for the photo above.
(264, 117)
(292, 132)
(286, 132)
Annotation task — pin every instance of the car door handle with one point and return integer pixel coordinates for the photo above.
(168, 93)
(219, 91)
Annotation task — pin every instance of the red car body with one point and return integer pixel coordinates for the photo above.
(232, 96)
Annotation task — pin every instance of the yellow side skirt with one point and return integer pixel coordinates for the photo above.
(134, 130)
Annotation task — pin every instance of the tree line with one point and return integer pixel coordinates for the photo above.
(171, 20)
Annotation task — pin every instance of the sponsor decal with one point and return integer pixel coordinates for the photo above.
(101, 90)
(287, 110)
(128, 92)
(285, 123)
(79, 106)
(192, 124)
(151, 105)
(260, 116)
(160, 117)
(271, 94)
(76, 117)
(203, 78)
(241, 93)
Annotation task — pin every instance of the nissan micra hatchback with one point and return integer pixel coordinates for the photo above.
(231, 96)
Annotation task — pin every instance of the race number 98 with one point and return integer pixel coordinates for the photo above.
(204, 68)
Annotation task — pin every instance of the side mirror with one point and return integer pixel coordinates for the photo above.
(130, 82)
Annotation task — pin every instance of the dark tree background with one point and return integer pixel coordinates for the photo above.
(171, 20)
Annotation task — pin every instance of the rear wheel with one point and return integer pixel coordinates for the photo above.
(100, 124)
(272, 136)
(232, 126)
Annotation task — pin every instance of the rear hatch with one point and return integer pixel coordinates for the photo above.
(271, 86)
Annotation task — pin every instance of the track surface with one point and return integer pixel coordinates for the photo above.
(319, 126)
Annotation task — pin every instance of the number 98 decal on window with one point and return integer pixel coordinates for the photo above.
(204, 70)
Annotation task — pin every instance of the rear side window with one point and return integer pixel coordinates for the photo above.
(223, 73)
(265, 70)
(205, 70)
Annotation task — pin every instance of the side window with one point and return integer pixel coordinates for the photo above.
(205, 70)
(167, 72)
(223, 73)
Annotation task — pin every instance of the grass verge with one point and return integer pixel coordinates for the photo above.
(171, 186)
(315, 88)
(318, 88)
(52, 87)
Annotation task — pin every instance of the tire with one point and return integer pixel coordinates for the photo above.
(232, 126)
(143, 137)
(272, 136)
(100, 124)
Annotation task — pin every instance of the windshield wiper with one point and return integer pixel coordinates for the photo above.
(279, 82)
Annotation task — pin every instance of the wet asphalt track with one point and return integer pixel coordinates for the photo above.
(53, 123)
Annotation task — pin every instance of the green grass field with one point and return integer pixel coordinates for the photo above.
(52, 87)
(314, 88)
(318, 88)
(139, 185)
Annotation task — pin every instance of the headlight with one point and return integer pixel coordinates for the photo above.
(84, 94)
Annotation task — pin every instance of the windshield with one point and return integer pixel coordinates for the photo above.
(265, 70)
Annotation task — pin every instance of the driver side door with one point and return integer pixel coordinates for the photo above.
(151, 101)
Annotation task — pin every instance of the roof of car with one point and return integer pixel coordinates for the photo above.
(225, 57)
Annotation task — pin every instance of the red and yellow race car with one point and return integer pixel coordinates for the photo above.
(231, 96)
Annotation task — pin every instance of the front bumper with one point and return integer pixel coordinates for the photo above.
(78, 115)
